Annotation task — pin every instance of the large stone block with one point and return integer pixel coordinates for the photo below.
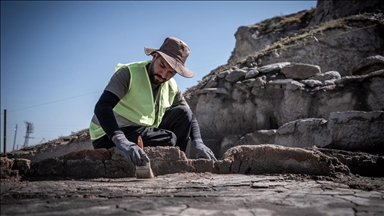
(48, 167)
(6, 171)
(357, 131)
(90, 154)
(118, 167)
(21, 164)
(167, 160)
(268, 158)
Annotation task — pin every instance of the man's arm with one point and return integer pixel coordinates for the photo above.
(195, 129)
(104, 113)
(198, 148)
(179, 99)
(115, 90)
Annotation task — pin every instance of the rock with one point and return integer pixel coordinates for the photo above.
(260, 81)
(242, 159)
(304, 133)
(236, 75)
(300, 71)
(359, 163)
(357, 131)
(328, 10)
(223, 166)
(255, 138)
(203, 165)
(329, 75)
(250, 159)
(311, 83)
(273, 67)
(166, 160)
(265, 104)
(250, 60)
(249, 82)
(6, 171)
(251, 74)
(48, 167)
(118, 167)
(244, 87)
(348, 131)
(280, 81)
(253, 38)
(213, 91)
(329, 82)
(318, 44)
(212, 83)
(368, 65)
(223, 74)
(22, 165)
(89, 154)
(78, 164)
(293, 85)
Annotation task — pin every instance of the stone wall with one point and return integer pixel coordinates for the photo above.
(247, 100)
(243, 159)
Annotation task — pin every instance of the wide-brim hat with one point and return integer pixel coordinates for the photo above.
(175, 52)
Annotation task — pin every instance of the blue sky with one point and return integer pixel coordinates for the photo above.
(57, 56)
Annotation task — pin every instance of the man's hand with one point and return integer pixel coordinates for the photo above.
(131, 152)
(199, 150)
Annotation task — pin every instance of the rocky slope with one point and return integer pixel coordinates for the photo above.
(313, 78)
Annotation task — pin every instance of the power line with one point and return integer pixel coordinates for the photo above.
(54, 101)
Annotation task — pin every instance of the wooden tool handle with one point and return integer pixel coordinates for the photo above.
(140, 142)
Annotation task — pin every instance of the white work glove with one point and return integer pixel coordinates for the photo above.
(199, 150)
(130, 150)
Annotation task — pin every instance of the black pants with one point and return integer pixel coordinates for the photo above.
(173, 130)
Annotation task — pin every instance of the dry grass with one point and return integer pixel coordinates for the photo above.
(283, 43)
(277, 23)
(297, 18)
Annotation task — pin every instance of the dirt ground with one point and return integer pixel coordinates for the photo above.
(196, 194)
(353, 181)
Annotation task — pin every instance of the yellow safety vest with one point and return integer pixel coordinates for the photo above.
(137, 105)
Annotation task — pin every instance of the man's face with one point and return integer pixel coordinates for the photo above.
(159, 70)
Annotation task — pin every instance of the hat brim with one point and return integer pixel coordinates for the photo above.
(177, 66)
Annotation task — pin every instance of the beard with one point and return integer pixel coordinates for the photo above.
(154, 77)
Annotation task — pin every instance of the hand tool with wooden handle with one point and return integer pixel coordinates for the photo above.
(144, 171)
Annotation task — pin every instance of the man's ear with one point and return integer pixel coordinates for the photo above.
(154, 55)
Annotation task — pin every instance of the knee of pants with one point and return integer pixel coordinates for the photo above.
(166, 138)
(182, 110)
(173, 140)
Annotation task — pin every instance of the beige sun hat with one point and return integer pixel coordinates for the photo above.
(175, 52)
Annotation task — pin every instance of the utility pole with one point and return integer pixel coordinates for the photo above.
(29, 131)
(14, 139)
(5, 131)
